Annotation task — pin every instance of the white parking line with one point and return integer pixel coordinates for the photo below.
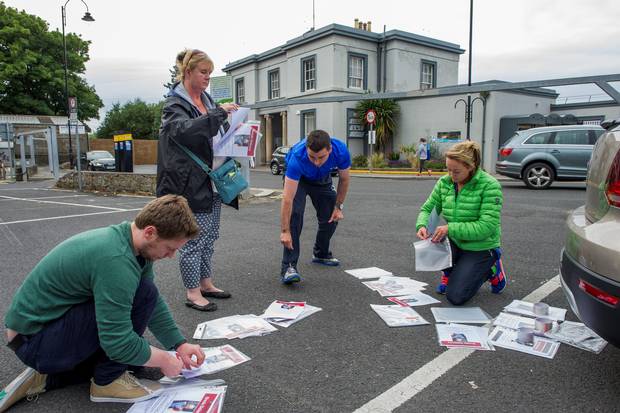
(44, 197)
(431, 371)
(69, 216)
(60, 203)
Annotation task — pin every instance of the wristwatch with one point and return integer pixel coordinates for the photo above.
(340, 206)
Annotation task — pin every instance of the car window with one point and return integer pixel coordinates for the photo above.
(538, 139)
(595, 134)
(99, 155)
(572, 137)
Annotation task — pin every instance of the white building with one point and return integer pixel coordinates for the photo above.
(315, 81)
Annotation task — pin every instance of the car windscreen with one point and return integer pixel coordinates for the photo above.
(99, 155)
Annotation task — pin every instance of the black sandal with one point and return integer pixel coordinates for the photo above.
(206, 307)
(216, 294)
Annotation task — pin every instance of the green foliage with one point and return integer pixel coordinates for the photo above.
(377, 160)
(435, 165)
(393, 156)
(387, 111)
(359, 161)
(173, 78)
(139, 118)
(32, 68)
(227, 100)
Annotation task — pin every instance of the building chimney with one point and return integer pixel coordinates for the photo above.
(364, 26)
(369, 23)
(355, 23)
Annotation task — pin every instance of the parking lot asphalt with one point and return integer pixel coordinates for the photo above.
(343, 357)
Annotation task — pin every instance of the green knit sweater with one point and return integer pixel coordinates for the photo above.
(473, 215)
(95, 265)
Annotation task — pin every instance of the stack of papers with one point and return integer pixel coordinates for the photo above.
(527, 309)
(507, 338)
(390, 286)
(368, 273)
(398, 316)
(274, 316)
(413, 300)
(236, 326)
(464, 315)
(463, 336)
(216, 359)
(197, 396)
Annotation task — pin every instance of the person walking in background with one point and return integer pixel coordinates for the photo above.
(470, 200)
(308, 173)
(191, 118)
(422, 155)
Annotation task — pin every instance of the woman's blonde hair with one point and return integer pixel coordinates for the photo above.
(467, 152)
(188, 59)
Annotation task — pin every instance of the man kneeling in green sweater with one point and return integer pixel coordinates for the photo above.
(84, 308)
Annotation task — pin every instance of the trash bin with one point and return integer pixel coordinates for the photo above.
(123, 153)
(19, 173)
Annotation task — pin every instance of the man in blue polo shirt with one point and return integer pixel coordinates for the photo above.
(308, 167)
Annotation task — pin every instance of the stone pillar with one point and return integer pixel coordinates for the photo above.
(268, 138)
(284, 129)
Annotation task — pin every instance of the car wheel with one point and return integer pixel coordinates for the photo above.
(538, 176)
(275, 170)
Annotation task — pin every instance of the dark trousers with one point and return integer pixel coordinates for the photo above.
(470, 269)
(323, 197)
(68, 348)
(422, 162)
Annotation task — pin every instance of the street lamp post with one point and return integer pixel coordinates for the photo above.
(88, 18)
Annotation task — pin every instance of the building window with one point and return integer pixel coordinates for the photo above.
(308, 121)
(274, 84)
(357, 71)
(308, 74)
(428, 75)
(240, 91)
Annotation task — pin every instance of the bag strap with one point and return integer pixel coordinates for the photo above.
(192, 155)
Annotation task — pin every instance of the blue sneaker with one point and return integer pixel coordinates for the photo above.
(443, 284)
(498, 278)
(290, 276)
(330, 262)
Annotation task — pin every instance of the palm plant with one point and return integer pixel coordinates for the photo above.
(385, 125)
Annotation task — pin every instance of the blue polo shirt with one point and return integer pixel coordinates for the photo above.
(298, 164)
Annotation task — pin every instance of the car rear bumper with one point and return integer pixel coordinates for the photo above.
(508, 169)
(600, 316)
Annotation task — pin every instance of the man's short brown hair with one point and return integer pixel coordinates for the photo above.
(172, 217)
(318, 140)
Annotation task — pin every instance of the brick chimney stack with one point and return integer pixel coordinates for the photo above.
(366, 26)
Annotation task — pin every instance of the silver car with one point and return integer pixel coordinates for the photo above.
(590, 263)
(540, 156)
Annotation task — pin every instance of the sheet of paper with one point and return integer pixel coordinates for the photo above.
(463, 336)
(308, 311)
(237, 326)
(413, 300)
(527, 309)
(507, 338)
(513, 321)
(286, 310)
(391, 286)
(462, 315)
(398, 316)
(188, 397)
(368, 273)
(216, 359)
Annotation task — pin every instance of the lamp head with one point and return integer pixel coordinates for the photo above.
(87, 17)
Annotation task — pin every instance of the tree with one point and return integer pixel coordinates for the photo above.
(139, 118)
(174, 71)
(32, 68)
(387, 110)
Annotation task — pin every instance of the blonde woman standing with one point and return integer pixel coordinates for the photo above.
(191, 118)
(470, 200)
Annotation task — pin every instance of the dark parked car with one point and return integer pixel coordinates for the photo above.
(590, 263)
(540, 156)
(98, 161)
(277, 159)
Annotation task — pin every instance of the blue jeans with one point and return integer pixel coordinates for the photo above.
(68, 349)
(470, 269)
(323, 197)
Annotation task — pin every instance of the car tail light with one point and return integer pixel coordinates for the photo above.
(505, 151)
(613, 182)
(598, 293)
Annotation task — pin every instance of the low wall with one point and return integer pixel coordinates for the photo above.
(111, 182)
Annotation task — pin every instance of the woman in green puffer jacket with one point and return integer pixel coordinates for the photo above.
(470, 200)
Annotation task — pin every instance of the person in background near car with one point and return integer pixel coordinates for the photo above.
(471, 201)
(191, 118)
(422, 155)
(308, 166)
(84, 308)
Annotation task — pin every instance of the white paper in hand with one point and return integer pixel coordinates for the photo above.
(432, 256)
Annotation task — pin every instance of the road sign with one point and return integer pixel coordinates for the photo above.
(372, 137)
(371, 116)
(73, 108)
